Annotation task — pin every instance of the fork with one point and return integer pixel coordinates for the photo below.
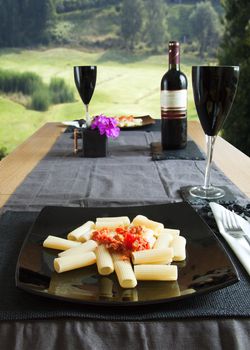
(232, 227)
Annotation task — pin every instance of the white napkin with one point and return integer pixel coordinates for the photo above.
(71, 123)
(239, 245)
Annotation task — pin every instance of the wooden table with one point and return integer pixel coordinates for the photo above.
(18, 164)
(56, 333)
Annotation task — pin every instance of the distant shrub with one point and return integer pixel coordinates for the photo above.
(8, 81)
(31, 84)
(28, 82)
(60, 92)
(25, 83)
(3, 152)
(40, 99)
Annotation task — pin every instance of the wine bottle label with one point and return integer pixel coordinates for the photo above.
(174, 99)
(174, 104)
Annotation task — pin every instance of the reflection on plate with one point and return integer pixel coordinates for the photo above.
(207, 267)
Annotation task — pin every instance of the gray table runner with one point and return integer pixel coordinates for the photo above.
(127, 176)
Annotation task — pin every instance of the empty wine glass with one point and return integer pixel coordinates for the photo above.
(214, 90)
(85, 80)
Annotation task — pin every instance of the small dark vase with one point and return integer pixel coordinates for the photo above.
(93, 144)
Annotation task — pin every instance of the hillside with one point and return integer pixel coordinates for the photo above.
(128, 82)
(125, 84)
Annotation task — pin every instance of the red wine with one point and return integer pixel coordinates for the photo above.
(214, 90)
(174, 102)
(85, 80)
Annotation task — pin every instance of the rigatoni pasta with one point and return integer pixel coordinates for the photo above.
(113, 242)
(172, 231)
(149, 235)
(156, 272)
(104, 260)
(125, 274)
(71, 262)
(88, 246)
(81, 232)
(86, 235)
(141, 220)
(59, 243)
(153, 256)
(119, 220)
(163, 240)
(179, 248)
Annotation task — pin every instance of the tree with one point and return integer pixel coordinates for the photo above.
(156, 26)
(235, 50)
(25, 22)
(37, 17)
(131, 22)
(205, 27)
(179, 24)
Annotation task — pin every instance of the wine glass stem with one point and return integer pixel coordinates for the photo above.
(210, 147)
(87, 115)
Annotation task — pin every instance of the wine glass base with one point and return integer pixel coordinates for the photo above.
(207, 193)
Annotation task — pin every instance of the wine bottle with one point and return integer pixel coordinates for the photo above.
(174, 102)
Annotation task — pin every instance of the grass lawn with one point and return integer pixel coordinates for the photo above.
(126, 84)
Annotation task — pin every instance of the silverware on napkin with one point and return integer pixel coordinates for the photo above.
(238, 244)
(233, 227)
(76, 123)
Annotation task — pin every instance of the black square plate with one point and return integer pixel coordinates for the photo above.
(206, 268)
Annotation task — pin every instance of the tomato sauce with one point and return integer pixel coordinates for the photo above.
(123, 240)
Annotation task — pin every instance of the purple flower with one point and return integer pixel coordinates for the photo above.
(106, 125)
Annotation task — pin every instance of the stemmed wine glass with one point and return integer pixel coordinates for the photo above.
(214, 90)
(85, 80)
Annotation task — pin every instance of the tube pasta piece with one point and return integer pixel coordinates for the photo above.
(179, 247)
(86, 236)
(149, 236)
(108, 224)
(71, 262)
(119, 257)
(141, 220)
(147, 232)
(104, 260)
(59, 243)
(125, 274)
(83, 230)
(151, 241)
(156, 272)
(88, 246)
(173, 232)
(163, 241)
(153, 256)
(121, 220)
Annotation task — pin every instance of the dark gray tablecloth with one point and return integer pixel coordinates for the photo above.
(127, 177)
(18, 305)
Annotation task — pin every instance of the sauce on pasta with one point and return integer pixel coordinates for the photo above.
(123, 240)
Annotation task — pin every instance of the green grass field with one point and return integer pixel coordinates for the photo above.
(126, 84)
